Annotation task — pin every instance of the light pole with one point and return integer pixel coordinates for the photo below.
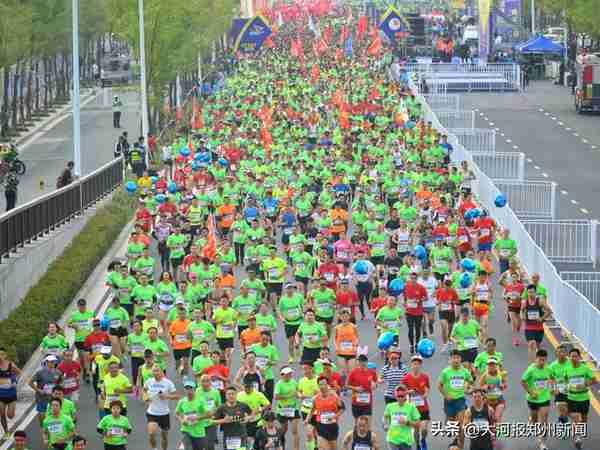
(533, 17)
(144, 99)
(76, 100)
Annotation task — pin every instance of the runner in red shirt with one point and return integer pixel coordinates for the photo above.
(466, 204)
(167, 208)
(96, 340)
(447, 300)
(414, 296)
(347, 297)
(330, 271)
(418, 386)
(362, 381)
(71, 371)
(440, 230)
(218, 373)
(463, 238)
(143, 217)
(334, 379)
(379, 302)
(486, 227)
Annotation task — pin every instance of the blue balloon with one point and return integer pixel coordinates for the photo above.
(410, 124)
(420, 252)
(386, 340)
(371, 365)
(184, 151)
(195, 165)
(468, 264)
(223, 162)
(396, 287)
(104, 323)
(161, 198)
(426, 348)
(154, 179)
(131, 187)
(172, 187)
(203, 157)
(472, 214)
(465, 280)
(500, 201)
(361, 267)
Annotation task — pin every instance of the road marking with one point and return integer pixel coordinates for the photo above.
(561, 124)
(541, 109)
(491, 124)
(544, 174)
(575, 202)
(508, 141)
(583, 210)
(563, 192)
(529, 160)
(594, 147)
(476, 109)
(501, 134)
(576, 134)
(536, 167)
(481, 114)
(485, 118)
(515, 147)
(546, 114)
(497, 129)
(553, 118)
(585, 141)
(568, 129)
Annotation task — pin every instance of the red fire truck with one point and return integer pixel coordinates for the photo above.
(587, 91)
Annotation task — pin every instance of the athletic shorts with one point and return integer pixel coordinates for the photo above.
(580, 407)
(119, 332)
(163, 422)
(561, 398)
(129, 308)
(290, 330)
(534, 406)
(361, 410)
(182, 353)
(514, 309)
(310, 355)
(9, 396)
(328, 320)
(428, 309)
(481, 309)
(453, 407)
(274, 288)
(329, 432)
(225, 343)
(377, 260)
(283, 419)
(468, 355)
(534, 335)
(448, 316)
(80, 346)
(302, 280)
(425, 415)
(485, 247)
(346, 357)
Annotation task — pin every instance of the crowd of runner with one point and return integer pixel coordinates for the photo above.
(308, 189)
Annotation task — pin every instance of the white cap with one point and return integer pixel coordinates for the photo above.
(51, 358)
(286, 371)
(106, 350)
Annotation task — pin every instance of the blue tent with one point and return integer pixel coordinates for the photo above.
(540, 45)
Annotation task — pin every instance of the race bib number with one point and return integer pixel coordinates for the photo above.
(329, 276)
(576, 383)
(217, 384)
(191, 418)
(246, 309)
(137, 348)
(233, 443)
(70, 383)
(505, 253)
(411, 304)
(327, 418)
(391, 324)
(398, 419)
(342, 254)
(363, 397)
(324, 308)
(287, 412)
(116, 431)
(379, 246)
(293, 313)
(166, 298)
(181, 338)
(55, 428)
(541, 384)
(346, 346)
(115, 323)
(417, 400)
(307, 403)
(470, 342)
(226, 329)
(273, 273)
(457, 383)
(533, 315)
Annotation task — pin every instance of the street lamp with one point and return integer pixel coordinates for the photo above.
(76, 105)
(144, 99)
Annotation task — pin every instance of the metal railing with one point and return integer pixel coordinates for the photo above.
(588, 283)
(448, 102)
(507, 75)
(570, 308)
(530, 199)
(456, 119)
(509, 165)
(31, 221)
(565, 240)
(481, 140)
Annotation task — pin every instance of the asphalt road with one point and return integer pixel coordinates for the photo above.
(516, 413)
(560, 145)
(52, 146)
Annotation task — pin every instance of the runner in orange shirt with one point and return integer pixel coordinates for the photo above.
(339, 220)
(180, 341)
(250, 335)
(225, 215)
(346, 342)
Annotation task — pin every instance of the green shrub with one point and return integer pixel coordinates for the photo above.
(23, 330)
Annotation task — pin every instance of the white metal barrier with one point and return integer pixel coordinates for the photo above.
(508, 166)
(508, 74)
(448, 102)
(456, 119)
(570, 308)
(588, 283)
(481, 140)
(530, 199)
(568, 241)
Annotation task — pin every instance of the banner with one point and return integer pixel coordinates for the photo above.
(393, 25)
(484, 29)
(252, 36)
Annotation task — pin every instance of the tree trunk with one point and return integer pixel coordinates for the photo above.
(23, 92)
(29, 98)
(47, 83)
(15, 96)
(4, 113)
(37, 84)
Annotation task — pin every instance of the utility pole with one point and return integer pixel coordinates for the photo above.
(144, 92)
(76, 98)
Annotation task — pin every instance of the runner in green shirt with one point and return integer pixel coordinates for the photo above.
(81, 321)
(504, 249)
(213, 401)
(389, 317)
(289, 311)
(159, 348)
(265, 321)
(245, 305)
(286, 396)
(191, 411)
(441, 256)
(465, 335)
(323, 301)
(225, 318)
(312, 336)
(401, 419)
(200, 330)
(537, 382)
(275, 269)
(114, 427)
(558, 369)
(453, 383)
(254, 285)
(267, 356)
(580, 378)
(143, 296)
(56, 427)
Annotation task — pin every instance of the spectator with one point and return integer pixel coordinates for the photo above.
(66, 177)
(11, 183)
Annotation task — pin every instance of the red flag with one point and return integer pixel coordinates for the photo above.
(198, 120)
(314, 73)
(210, 248)
(373, 32)
(363, 23)
(178, 114)
(375, 47)
(190, 143)
(268, 43)
(344, 120)
(339, 54)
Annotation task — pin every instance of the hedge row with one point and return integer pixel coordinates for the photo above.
(23, 330)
